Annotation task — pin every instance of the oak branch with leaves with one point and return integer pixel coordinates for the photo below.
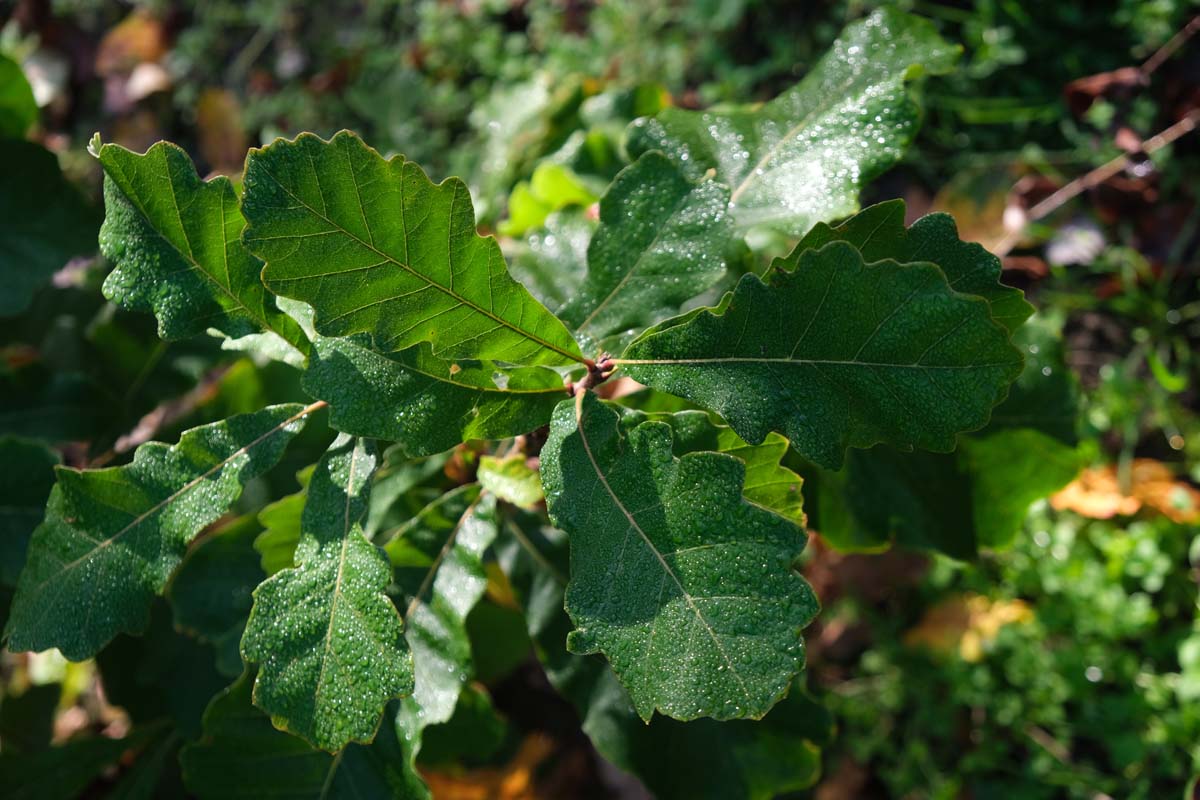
(666, 524)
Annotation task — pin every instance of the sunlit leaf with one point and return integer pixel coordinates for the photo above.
(176, 241)
(804, 156)
(662, 240)
(375, 247)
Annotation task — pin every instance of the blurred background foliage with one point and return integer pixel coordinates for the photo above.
(1065, 666)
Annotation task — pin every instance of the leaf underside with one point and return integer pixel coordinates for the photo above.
(113, 537)
(438, 557)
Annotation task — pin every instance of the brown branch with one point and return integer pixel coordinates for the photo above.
(1167, 50)
(1093, 179)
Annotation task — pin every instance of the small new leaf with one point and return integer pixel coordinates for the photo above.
(686, 587)
(176, 243)
(329, 641)
(423, 403)
(511, 479)
(375, 247)
(804, 156)
(837, 354)
(113, 537)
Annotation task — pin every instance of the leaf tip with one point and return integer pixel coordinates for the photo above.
(94, 144)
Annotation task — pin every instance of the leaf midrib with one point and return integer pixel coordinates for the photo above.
(650, 545)
(804, 361)
(189, 257)
(822, 107)
(142, 517)
(388, 258)
(327, 650)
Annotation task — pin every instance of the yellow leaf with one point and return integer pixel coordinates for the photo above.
(1097, 493)
(966, 624)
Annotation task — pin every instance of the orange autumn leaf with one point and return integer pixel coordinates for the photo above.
(513, 781)
(966, 624)
(1097, 493)
(140, 38)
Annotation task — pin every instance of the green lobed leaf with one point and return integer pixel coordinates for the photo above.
(44, 222)
(423, 403)
(511, 479)
(837, 354)
(661, 241)
(243, 756)
(25, 483)
(684, 586)
(18, 109)
(210, 594)
(329, 641)
(768, 483)
(113, 537)
(734, 760)
(438, 558)
(878, 233)
(375, 247)
(976, 497)
(804, 156)
(176, 242)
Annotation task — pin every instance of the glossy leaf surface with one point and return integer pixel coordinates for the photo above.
(804, 156)
(176, 242)
(661, 241)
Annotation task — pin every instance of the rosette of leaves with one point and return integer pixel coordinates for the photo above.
(406, 326)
